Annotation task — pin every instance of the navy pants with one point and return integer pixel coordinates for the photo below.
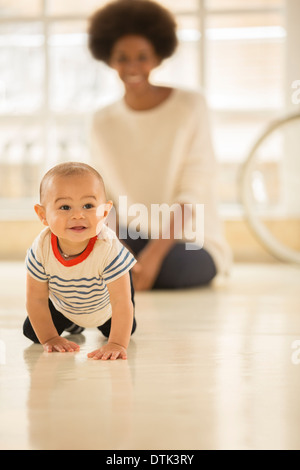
(181, 268)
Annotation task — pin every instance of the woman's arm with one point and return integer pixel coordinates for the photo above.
(150, 259)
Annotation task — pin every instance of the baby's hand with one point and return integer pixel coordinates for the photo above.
(110, 351)
(60, 345)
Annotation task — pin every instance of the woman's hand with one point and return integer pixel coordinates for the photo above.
(145, 271)
(149, 262)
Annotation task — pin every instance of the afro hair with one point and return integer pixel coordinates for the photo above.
(121, 18)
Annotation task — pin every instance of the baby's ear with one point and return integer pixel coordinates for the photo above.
(40, 211)
(104, 209)
(108, 207)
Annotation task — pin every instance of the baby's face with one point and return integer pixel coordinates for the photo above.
(73, 207)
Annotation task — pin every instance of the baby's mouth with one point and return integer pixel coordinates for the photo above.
(78, 228)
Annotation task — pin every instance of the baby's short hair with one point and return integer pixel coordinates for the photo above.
(121, 18)
(69, 169)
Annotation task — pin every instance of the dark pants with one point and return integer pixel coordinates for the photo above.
(181, 268)
(61, 323)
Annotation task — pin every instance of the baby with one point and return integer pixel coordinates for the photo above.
(78, 272)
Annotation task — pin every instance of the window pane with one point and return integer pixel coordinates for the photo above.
(240, 4)
(22, 8)
(66, 140)
(22, 67)
(233, 137)
(183, 69)
(67, 7)
(57, 7)
(180, 5)
(22, 151)
(245, 61)
(280, 148)
(77, 81)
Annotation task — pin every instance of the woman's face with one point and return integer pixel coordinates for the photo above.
(134, 57)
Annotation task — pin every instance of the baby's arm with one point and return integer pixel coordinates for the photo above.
(37, 296)
(121, 322)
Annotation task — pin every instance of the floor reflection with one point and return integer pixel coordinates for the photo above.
(76, 403)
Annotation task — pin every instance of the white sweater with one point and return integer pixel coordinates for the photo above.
(162, 155)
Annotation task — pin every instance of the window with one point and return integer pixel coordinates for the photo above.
(244, 79)
(234, 49)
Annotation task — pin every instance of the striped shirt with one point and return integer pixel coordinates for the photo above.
(78, 287)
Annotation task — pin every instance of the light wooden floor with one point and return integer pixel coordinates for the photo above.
(207, 369)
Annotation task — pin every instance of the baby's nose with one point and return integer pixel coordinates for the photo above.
(77, 214)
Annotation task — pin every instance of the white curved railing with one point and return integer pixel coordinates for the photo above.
(277, 248)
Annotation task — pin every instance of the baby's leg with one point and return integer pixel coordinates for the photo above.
(61, 323)
(105, 328)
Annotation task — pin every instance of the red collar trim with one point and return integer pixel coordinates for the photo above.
(74, 261)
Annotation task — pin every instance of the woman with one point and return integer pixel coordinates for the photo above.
(154, 146)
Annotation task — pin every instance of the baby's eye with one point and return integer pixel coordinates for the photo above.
(88, 206)
(65, 207)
